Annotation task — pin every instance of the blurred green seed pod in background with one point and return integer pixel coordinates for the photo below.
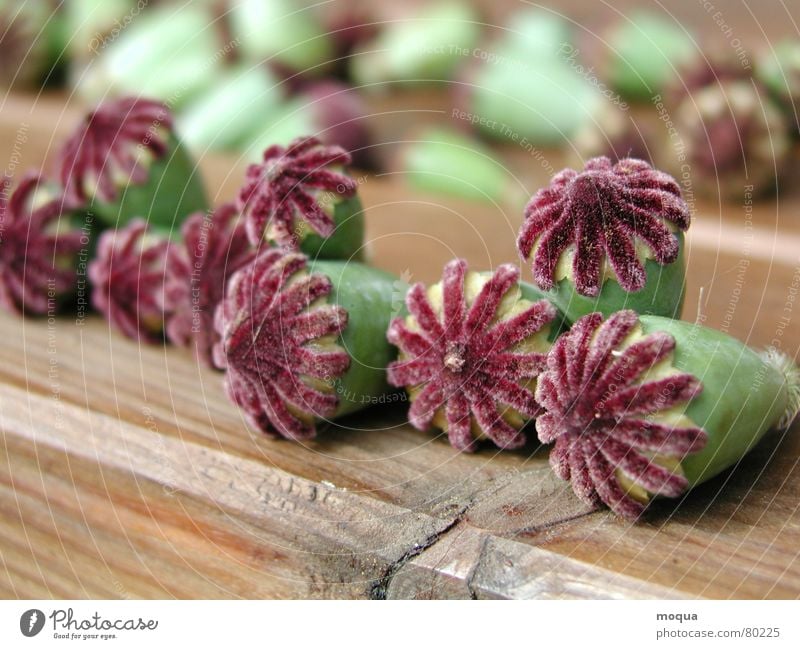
(285, 34)
(644, 52)
(93, 25)
(537, 33)
(527, 87)
(779, 70)
(446, 162)
(171, 53)
(427, 45)
(228, 115)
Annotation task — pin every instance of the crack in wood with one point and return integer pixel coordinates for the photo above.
(470, 580)
(549, 525)
(380, 587)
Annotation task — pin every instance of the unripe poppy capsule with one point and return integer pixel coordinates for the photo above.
(607, 238)
(303, 343)
(300, 198)
(640, 406)
(125, 162)
(471, 348)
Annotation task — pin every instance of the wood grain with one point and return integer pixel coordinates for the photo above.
(124, 471)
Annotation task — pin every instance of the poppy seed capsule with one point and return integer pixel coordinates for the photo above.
(302, 343)
(300, 198)
(470, 351)
(43, 245)
(607, 238)
(124, 162)
(640, 406)
(128, 275)
(736, 138)
(212, 248)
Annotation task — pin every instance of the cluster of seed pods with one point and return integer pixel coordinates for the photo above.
(590, 356)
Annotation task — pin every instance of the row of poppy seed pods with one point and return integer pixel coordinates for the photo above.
(637, 405)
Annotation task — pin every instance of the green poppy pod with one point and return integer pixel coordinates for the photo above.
(124, 162)
(304, 343)
(607, 238)
(644, 406)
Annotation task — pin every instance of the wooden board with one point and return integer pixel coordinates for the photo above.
(124, 471)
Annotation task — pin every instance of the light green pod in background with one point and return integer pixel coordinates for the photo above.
(444, 161)
(281, 32)
(645, 51)
(170, 53)
(232, 112)
(526, 89)
(429, 45)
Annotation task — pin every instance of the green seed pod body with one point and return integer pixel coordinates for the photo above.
(173, 190)
(347, 241)
(644, 53)
(446, 162)
(167, 53)
(370, 297)
(662, 295)
(232, 112)
(282, 33)
(429, 46)
(745, 393)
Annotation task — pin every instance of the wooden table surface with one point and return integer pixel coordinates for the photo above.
(124, 471)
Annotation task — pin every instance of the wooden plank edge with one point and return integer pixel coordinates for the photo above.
(383, 549)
